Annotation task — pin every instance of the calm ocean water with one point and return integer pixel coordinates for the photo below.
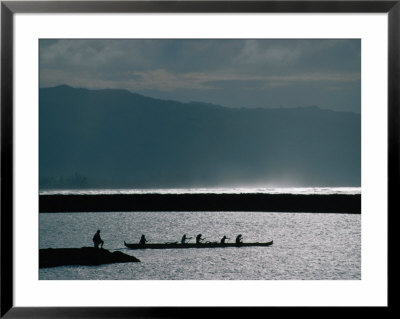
(306, 246)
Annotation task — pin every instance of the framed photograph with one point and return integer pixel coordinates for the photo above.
(165, 157)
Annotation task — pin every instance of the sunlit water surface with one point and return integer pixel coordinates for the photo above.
(215, 190)
(306, 246)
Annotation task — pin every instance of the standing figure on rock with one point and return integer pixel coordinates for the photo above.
(97, 240)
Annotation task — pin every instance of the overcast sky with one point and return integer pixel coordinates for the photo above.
(235, 73)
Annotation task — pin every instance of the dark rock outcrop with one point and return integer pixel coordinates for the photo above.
(88, 256)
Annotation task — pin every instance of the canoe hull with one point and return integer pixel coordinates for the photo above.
(193, 245)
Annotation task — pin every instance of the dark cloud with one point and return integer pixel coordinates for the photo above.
(237, 73)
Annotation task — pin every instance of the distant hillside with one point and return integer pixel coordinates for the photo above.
(114, 138)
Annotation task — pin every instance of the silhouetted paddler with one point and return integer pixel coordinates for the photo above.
(199, 239)
(223, 239)
(184, 237)
(143, 240)
(239, 239)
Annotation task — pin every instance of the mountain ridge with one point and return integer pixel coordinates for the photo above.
(198, 103)
(116, 138)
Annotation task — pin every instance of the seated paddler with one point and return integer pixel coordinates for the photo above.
(143, 240)
(223, 239)
(184, 238)
(199, 239)
(239, 239)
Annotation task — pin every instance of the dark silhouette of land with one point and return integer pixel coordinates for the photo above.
(88, 256)
(118, 139)
(337, 203)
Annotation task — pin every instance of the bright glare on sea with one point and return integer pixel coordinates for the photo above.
(307, 246)
(216, 190)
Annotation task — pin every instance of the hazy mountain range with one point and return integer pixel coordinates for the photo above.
(115, 138)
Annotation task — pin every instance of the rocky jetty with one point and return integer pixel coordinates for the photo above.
(335, 203)
(88, 256)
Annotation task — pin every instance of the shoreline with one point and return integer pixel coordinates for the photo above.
(334, 203)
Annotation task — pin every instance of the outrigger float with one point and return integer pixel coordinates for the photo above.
(176, 245)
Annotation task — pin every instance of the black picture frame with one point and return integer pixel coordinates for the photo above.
(9, 8)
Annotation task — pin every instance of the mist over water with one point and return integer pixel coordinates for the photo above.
(218, 190)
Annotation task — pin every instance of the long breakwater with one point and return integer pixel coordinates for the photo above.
(317, 203)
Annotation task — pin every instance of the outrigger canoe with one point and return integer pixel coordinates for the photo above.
(177, 245)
